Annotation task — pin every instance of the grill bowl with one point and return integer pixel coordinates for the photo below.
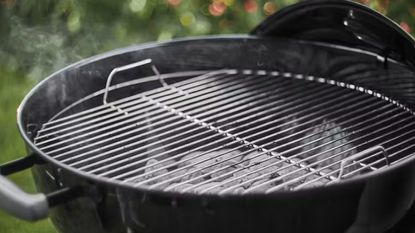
(330, 209)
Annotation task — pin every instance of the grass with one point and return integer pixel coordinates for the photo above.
(13, 87)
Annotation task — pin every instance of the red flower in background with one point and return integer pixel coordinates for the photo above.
(250, 6)
(217, 8)
(174, 2)
(405, 26)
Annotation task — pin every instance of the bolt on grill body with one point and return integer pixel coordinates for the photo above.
(233, 131)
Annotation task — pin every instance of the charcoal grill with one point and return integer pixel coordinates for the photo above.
(307, 125)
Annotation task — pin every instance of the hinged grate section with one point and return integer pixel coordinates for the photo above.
(232, 131)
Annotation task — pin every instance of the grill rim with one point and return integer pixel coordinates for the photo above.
(361, 179)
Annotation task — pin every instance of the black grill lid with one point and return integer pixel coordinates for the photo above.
(344, 23)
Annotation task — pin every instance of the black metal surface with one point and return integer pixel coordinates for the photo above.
(373, 205)
(376, 202)
(19, 164)
(343, 23)
(65, 195)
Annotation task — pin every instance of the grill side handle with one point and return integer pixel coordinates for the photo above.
(20, 204)
(30, 207)
(15, 201)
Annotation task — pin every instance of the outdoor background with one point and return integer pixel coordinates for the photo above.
(42, 36)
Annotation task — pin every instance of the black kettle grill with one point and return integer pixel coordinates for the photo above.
(305, 125)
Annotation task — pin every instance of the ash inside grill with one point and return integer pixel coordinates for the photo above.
(225, 170)
(232, 131)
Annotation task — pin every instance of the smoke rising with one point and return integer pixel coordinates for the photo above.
(37, 51)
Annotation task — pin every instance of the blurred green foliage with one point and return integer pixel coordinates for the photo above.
(39, 37)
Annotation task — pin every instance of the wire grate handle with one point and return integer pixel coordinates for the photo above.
(127, 67)
(361, 154)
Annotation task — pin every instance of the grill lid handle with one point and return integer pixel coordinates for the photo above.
(343, 23)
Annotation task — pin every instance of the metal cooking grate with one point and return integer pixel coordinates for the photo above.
(234, 131)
